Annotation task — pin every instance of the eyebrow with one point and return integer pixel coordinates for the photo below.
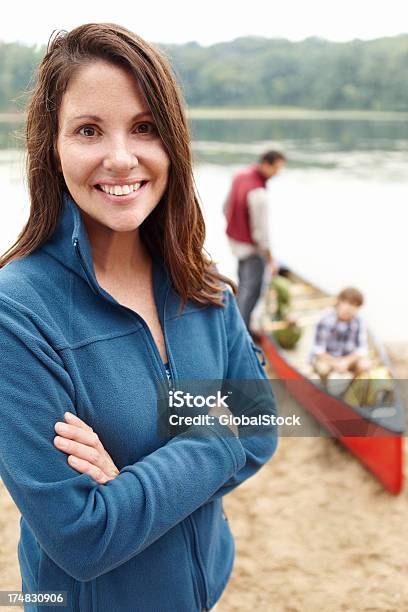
(100, 120)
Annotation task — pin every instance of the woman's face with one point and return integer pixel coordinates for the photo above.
(112, 158)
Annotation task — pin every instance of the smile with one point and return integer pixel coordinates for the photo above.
(121, 190)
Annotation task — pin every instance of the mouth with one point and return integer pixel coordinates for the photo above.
(121, 190)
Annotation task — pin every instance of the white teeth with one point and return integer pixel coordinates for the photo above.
(119, 190)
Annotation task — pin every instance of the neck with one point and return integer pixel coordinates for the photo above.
(116, 254)
(261, 172)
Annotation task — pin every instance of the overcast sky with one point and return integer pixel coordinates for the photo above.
(210, 21)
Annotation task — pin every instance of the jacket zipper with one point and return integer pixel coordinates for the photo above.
(169, 360)
(135, 315)
(75, 597)
(84, 266)
(198, 569)
(202, 583)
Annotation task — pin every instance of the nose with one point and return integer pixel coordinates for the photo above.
(119, 157)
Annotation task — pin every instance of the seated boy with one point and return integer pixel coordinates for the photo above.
(340, 343)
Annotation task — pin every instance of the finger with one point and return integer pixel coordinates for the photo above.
(82, 451)
(72, 419)
(84, 467)
(72, 432)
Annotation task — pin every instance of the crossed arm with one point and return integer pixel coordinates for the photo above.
(86, 453)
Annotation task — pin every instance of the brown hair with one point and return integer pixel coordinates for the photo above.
(175, 228)
(272, 156)
(352, 296)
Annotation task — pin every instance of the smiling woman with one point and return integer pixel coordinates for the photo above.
(107, 293)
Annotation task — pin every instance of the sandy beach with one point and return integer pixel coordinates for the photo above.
(314, 531)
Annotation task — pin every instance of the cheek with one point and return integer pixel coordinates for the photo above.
(73, 173)
(340, 311)
(75, 163)
(162, 176)
(161, 162)
(347, 313)
(165, 168)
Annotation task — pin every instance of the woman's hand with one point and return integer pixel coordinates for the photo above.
(84, 449)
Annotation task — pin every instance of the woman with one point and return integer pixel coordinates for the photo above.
(106, 293)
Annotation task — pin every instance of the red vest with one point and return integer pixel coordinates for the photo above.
(237, 214)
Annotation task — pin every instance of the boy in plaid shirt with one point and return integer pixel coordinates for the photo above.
(340, 343)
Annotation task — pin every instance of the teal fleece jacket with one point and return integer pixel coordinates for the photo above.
(154, 539)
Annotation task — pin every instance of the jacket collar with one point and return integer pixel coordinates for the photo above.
(257, 175)
(70, 245)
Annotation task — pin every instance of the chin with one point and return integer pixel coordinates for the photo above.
(129, 224)
(123, 226)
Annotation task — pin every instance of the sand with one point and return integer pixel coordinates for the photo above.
(314, 532)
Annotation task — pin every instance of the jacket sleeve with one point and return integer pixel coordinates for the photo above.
(88, 529)
(244, 365)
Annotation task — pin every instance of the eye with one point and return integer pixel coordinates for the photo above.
(87, 130)
(145, 128)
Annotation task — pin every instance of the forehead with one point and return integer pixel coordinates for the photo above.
(101, 88)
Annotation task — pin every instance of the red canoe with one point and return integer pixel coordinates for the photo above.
(373, 434)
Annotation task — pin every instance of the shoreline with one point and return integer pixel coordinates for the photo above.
(268, 112)
(294, 113)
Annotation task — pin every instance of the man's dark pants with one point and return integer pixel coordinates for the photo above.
(250, 277)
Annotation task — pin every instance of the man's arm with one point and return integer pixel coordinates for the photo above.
(258, 207)
(226, 205)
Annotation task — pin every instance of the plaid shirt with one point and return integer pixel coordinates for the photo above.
(340, 338)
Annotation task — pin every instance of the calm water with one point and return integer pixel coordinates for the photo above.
(338, 211)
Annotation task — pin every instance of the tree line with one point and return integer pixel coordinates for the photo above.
(259, 72)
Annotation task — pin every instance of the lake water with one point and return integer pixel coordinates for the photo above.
(339, 211)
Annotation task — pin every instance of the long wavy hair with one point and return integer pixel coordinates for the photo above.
(175, 228)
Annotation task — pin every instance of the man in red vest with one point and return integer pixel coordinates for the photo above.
(246, 209)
